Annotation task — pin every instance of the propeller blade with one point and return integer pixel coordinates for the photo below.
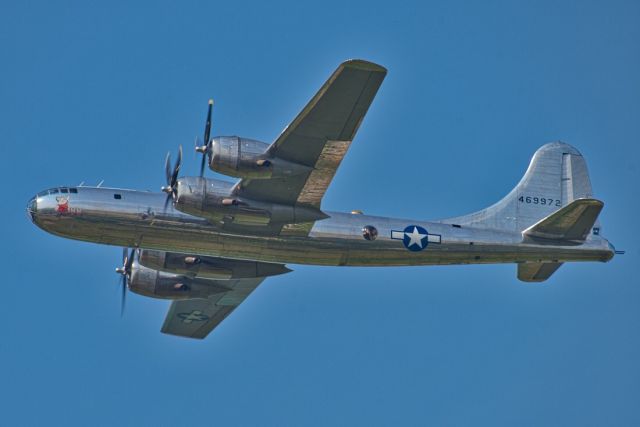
(207, 139)
(167, 168)
(172, 177)
(176, 169)
(129, 263)
(123, 298)
(202, 162)
(207, 127)
(125, 272)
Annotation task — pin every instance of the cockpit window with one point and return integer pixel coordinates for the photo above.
(64, 190)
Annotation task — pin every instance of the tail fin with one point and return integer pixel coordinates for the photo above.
(557, 175)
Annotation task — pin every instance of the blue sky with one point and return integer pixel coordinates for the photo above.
(102, 90)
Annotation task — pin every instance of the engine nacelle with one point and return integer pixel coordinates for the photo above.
(207, 267)
(214, 200)
(157, 284)
(248, 158)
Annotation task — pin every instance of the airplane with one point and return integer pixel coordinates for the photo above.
(206, 244)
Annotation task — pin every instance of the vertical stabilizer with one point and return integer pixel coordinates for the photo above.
(557, 175)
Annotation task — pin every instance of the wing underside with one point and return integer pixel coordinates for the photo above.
(319, 136)
(195, 318)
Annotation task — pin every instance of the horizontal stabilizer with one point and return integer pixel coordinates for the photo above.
(570, 223)
(537, 271)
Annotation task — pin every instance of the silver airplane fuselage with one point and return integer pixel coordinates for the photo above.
(132, 218)
(208, 243)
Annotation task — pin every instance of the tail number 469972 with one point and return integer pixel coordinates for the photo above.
(540, 201)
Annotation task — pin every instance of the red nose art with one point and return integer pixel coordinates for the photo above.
(63, 205)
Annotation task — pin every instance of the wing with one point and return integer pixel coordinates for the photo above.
(319, 136)
(195, 318)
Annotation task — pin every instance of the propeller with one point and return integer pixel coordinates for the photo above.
(125, 271)
(204, 149)
(172, 177)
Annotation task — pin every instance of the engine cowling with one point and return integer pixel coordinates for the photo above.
(157, 284)
(248, 158)
(214, 200)
(207, 267)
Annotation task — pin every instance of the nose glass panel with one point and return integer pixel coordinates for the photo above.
(32, 208)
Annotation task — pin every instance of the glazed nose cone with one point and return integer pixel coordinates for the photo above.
(32, 208)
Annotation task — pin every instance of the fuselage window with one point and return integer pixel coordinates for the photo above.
(117, 196)
(369, 232)
(73, 190)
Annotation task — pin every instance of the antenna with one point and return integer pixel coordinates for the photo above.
(81, 184)
(100, 184)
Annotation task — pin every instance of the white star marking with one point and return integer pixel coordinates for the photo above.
(416, 237)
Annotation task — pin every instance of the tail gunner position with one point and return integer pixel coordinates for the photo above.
(207, 244)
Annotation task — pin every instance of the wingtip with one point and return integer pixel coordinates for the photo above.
(364, 65)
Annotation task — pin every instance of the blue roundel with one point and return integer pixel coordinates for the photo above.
(415, 238)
